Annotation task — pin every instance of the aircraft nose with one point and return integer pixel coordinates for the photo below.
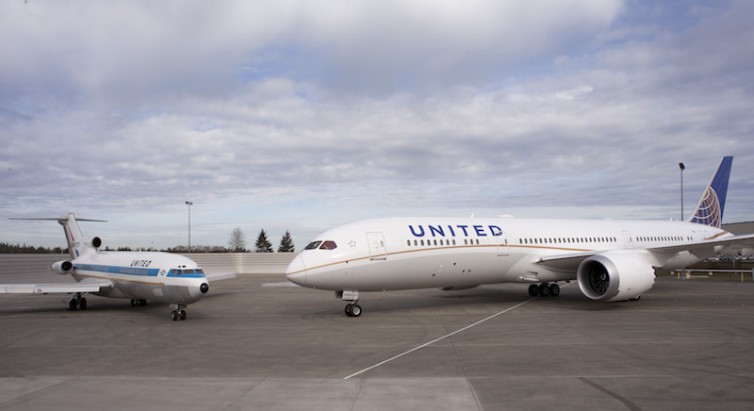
(296, 271)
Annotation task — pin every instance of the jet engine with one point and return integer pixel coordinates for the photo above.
(615, 276)
(62, 267)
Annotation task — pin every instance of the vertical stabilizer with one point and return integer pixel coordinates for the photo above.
(709, 210)
(73, 235)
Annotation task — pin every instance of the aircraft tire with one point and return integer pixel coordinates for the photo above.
(174, 315)
(554, 290)
(72, 304)
(82, 304)
(533, 290)
(133, 303)
(349, 311)
(544, 290)
(182, 314)
(356, 310)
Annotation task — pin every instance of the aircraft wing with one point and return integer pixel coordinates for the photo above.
(657, 256)
(89, 285)
(220, 276)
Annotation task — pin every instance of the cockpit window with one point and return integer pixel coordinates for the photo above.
(313, 245)
(322, 245)
(183, 271)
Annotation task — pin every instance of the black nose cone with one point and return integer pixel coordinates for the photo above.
(204, 288)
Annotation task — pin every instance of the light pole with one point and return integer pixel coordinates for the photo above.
(189, 204)
(682, 167)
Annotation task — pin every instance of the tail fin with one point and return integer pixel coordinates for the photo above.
(73, 235)
(709, 210)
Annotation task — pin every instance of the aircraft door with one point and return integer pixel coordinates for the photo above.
(502, 245)
(377, 250)
(628, 240)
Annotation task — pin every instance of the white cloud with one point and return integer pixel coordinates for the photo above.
(298, 116)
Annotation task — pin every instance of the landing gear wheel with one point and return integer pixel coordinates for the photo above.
(82, 304)
(533, 290)
(72, 304)
(353, 310)
(554, 290)
(133, 303)
(174, 315)
(182, 314)
(544, 290)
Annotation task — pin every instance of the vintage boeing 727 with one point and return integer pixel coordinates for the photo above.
(140, 276)
(611, 260)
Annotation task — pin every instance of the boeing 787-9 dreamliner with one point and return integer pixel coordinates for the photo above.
(611, 260)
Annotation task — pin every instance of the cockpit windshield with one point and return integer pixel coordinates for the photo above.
(313, 245)
(185, 271)
(322, 245)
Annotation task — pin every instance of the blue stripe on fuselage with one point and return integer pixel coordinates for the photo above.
(135, 271)
(114, 269)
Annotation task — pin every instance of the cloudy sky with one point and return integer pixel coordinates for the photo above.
(302, 115)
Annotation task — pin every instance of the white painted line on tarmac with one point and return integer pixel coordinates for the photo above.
(280, 284)
(427, 344)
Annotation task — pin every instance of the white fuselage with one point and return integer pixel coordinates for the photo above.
(155, 276)
(410, 253)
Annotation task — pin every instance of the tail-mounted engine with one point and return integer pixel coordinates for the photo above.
(62, 267)
(615, 276)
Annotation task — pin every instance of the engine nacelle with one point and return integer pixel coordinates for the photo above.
(96, 242)
(615, 276)
(62, 267)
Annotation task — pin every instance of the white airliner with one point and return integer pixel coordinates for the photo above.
(611, 260)
(140, 276)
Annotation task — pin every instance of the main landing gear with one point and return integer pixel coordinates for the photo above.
(136, 303)
(353, 309)
(77, 302)
(178, 313)
(544, 290)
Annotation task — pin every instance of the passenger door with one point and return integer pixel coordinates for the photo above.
(376, 242)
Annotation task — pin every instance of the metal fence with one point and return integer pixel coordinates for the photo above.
(741, 275)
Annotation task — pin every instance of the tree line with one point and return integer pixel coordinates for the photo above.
(237, 242)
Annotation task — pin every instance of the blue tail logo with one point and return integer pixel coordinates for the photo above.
(709, 210)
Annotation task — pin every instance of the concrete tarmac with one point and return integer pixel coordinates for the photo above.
(257, 343)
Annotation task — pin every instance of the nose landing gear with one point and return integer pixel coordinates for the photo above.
(178, 313)
(353, 309)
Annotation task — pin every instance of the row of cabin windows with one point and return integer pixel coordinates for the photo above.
(662, 238)
(567, 240)
(572, 240)
(440, 242)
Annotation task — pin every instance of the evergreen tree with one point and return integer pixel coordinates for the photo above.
(237, 241)
(263, 245)
(286, 244)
